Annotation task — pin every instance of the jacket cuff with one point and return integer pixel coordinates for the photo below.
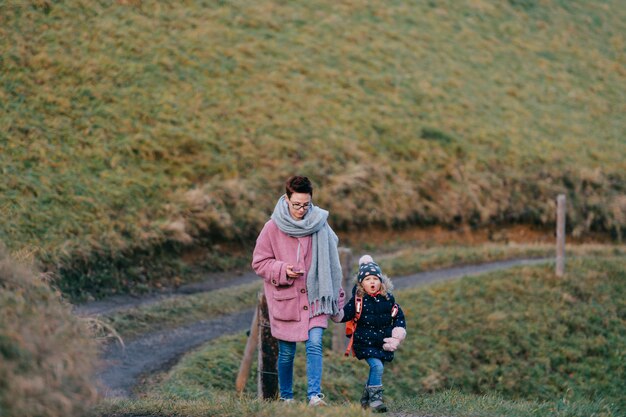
(279, 275)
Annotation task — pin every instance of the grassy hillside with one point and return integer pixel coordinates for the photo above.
(131, 129)
(514, 343)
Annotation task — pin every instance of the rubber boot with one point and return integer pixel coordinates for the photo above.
(365, 398)
(376, 399)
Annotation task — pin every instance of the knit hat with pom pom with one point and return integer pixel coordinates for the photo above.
(367, 266)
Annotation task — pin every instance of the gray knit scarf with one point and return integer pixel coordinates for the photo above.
(324, 278)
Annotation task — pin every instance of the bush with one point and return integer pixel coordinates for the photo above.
(46, 354)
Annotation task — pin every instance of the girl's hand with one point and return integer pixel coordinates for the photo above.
(340, 303)
(342, 298)
(391, 344)
(398, 334)
(337, 317)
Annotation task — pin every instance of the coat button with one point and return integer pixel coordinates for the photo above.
(302, 290)
(274, 281)
(305, 307)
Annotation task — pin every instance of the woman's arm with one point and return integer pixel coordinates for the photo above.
(264, 260)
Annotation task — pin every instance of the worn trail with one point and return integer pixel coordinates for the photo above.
(156, 352)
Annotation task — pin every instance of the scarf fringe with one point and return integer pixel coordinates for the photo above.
(325, 305)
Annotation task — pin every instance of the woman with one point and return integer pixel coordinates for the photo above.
(296, 255)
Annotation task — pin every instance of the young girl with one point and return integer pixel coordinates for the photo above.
(379, 329)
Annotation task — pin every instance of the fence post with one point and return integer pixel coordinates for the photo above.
(560, 235)
(268, 354)
(251, 346)
(339, 334)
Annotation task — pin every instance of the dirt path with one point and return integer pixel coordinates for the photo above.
(212, 281)
(159, 351)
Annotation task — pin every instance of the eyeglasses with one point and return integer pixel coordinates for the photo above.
(298, 206)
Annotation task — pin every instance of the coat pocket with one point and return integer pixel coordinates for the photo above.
(286, 305)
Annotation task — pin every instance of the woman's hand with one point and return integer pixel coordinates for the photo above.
(293, 272)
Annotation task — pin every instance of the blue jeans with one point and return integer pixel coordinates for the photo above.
(286, 354)
(375, 378)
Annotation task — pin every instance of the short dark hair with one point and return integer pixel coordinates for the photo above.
(298, 184)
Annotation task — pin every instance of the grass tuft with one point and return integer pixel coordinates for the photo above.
(47, 357)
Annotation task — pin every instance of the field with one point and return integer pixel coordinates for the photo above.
(143, 143)
(136, 135)
(169, 313)
(517, 343)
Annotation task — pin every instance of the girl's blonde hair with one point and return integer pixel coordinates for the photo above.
(386, 286)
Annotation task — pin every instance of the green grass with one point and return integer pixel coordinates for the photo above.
(445, 403)
(219, 406)
(416, 259)
(519, 342)
(454, 403)
(171, 312)
(136, 128)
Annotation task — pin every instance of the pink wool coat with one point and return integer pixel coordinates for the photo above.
(287, 298)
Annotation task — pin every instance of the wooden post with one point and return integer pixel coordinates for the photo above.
(251, 346)
(339, 333)
(268, 355)
(560, 235)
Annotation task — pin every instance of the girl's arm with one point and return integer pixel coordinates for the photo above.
(340, 303)
(400, 321)
(398, 333)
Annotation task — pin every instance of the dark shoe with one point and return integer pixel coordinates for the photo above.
(376, 399)
(365, 398)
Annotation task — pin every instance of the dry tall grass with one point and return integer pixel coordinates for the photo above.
(47, 357)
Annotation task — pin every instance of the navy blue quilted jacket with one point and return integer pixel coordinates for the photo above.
(374, 325)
